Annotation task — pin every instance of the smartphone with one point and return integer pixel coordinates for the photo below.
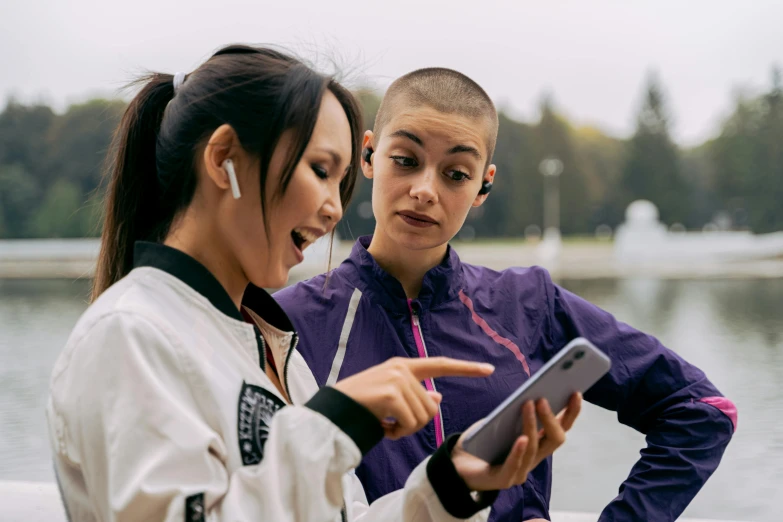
(575, 368)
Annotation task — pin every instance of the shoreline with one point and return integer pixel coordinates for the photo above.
(40, 501)
(75, 259)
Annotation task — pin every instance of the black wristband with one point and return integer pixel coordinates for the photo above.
(351, 417)
(453, 493)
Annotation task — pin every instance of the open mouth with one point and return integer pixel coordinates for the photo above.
(303, 238)
(299, 241)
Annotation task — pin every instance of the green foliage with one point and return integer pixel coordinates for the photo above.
(78, 141)
(19, 196)
(56, 216)
(653, 169)
(748, 161)
(51, 165)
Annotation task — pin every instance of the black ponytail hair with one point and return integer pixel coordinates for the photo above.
(260, 92)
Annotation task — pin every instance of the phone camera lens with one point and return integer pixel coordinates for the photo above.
(578, 355)
(567, 365)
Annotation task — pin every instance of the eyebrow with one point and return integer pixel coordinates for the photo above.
(336, 158)
(465, 148)
(457, 149)
(402, 133)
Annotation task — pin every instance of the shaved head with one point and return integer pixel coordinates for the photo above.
(444, 90)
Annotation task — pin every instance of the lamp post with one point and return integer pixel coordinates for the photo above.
(551, 168)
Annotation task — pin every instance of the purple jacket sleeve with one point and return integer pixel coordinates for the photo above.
(686, 420)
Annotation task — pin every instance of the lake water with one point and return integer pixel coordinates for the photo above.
(732, 329)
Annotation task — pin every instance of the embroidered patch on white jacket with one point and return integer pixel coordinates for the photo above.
(194, 508)
(256, 408)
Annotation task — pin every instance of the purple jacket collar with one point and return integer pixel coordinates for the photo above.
(441, 284)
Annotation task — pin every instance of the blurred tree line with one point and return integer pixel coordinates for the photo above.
(51, 167)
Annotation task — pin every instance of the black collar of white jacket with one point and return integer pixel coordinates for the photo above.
(199, 278)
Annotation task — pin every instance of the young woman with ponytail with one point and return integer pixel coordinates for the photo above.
(180, 394)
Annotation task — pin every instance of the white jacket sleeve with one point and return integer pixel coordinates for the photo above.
(127, 417)
(147, 451)
(417, 502)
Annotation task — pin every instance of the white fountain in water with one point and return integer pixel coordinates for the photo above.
(644, 238)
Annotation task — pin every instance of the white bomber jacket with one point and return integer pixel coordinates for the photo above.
(160, 409)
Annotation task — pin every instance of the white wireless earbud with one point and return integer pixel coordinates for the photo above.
(232, 178)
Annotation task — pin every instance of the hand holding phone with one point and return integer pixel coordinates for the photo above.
(572, 370)
(527, 451)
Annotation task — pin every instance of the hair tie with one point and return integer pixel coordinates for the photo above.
(179, 79)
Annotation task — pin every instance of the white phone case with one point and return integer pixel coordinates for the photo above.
(575, 368)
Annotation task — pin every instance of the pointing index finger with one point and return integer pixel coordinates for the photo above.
(445, 366)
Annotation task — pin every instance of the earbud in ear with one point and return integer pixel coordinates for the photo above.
(485, 188)
(367, 154)
(228, 165)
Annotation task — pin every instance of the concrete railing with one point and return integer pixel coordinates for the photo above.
(40, 502)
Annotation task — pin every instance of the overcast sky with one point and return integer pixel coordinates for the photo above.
(592, 55)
